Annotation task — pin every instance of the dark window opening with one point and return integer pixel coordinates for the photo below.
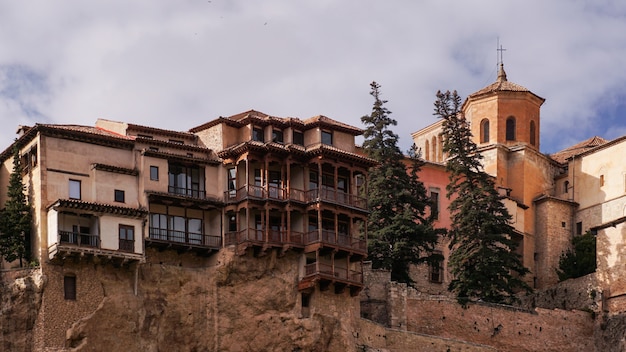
(119, 196)
(127, 238)
(510, 129)
(154, 173)
(298, 138)
(484, 131)
(532, 133)
(257, 134)
(69, 287)
(436, 272)
(327, 138)
(579, 228)
(434, 207)
(186, 180)
(305, 299)
(565, 186)
(277, 136)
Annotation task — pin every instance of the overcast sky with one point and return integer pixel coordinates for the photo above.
(178, 64)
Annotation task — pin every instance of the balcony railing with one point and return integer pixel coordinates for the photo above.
(340, 240)
(279, 237)
(279, 193)
(127, 245)
(182, 237)
(332, 195)
(189, 192)
(79, 239)
(326, 271)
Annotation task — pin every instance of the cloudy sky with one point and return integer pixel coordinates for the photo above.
(178, 64)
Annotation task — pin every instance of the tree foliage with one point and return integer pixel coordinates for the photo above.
(483, 261)
(16, 217)
(399, 231)
(581, 260)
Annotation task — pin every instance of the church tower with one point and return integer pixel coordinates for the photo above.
(504, 113)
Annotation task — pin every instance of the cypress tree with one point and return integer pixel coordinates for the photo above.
(483, 261)
(15, 222)
(400, 233)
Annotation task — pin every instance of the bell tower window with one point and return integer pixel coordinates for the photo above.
(532, 133)
(484, 131)
(510, 128)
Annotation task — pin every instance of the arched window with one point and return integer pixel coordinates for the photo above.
(484, 131)
(510, 128)
(440, 148)
(532, 132)
(426, 151)
(434, 145)
(565, 186)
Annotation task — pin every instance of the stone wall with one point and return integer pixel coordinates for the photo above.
(582, 293)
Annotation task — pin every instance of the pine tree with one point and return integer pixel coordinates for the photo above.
(581, 260)
(15, 220)
(399, 232)
(483, 261)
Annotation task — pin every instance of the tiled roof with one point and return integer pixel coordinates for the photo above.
(85, 129)
(576, 149)
(501, 84)
(99, 207)
(261, 118)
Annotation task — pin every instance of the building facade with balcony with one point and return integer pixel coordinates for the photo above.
(251, 182)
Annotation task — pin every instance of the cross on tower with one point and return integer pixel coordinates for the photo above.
(500, 50)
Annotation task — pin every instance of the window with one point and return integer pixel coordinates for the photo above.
(127, 238)
(327, 138)
(434, 146)
(298, 138)
(232, 182)
(176, 228)
(313, 180)
(532, 133)
(154, 173)
(74, 189)
(601, 180)
(510, 129)
(119, 196)
(305, 298)
(257, 134)
(426, 151)
(484, 131)
(434, 207)
(69, 287)
(565, 186)
(277, 136)
(186, 180)
(579, 228)
(436, 271)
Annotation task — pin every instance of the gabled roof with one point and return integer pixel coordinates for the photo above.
(577, 149)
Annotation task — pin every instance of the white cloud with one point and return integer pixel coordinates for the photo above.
(176, 65)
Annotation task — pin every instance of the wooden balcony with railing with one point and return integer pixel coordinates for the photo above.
(326, 274)
(186, 192)
(275, 193)
(343, 242)
(183, 241)
(78, 245)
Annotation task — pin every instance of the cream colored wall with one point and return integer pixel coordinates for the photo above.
(587, 170)
(343, 141)
(426, 135)
(109, 232)
(114, 126)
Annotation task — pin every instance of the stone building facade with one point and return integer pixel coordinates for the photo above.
(552, 198)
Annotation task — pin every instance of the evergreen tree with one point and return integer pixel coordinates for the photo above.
(399, 232)
(483, 259)
(15, 220)
(581, 260)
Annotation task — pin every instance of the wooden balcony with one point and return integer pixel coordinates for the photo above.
(183, 241)
(78, 245)
(262, 240)
(316, 239)
(328, 195)
(326, 274)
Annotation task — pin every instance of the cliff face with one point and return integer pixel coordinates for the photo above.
(188, 303)
(20, 300)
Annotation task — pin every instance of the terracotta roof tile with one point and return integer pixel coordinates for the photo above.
(576, 149)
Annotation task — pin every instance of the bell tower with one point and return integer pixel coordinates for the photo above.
(504, 113)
